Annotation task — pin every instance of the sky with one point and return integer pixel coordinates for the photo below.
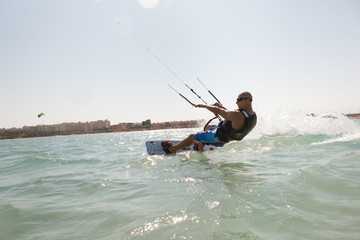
(88, 60)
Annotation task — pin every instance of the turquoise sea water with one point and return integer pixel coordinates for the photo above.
(293, 177)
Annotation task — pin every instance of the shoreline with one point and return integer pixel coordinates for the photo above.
(100, 126)
(80, 128)
(88, 133)
(353, 115)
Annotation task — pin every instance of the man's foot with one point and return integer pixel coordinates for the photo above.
(166, 145)
(198, 146)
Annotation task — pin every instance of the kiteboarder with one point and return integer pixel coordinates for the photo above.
(237, 124)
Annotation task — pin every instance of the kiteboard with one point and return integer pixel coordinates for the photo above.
(155, 147)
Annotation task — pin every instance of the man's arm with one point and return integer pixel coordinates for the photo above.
(219, 105)
(223, 112)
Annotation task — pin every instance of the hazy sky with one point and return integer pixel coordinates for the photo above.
(74, 61)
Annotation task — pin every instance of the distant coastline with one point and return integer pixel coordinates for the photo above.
(103, 126)
(353, 115)
(100, 126)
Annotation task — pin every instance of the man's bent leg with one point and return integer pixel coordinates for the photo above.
(207, 128)
(183, 144)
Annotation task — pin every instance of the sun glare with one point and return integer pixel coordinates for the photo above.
(148, 3)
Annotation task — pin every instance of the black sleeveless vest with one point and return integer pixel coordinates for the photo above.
(225, 132)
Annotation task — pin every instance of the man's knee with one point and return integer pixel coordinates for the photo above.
(207, 128)
(191, 137)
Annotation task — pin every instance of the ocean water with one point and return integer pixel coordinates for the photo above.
(293, 177)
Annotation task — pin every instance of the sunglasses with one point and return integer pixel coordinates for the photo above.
(240, 99)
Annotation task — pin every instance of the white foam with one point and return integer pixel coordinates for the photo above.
(345, 138)
(293, 123)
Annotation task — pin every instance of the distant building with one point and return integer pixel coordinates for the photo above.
(121, 126)
(100, 124)
(146, 123)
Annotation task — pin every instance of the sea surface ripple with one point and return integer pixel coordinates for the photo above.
(294, 177)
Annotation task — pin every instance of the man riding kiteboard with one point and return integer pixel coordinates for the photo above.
(237, 124)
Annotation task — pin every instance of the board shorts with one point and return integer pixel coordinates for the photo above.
(208, 136)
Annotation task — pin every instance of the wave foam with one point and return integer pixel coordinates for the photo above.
(345, 138)
(293, 123)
